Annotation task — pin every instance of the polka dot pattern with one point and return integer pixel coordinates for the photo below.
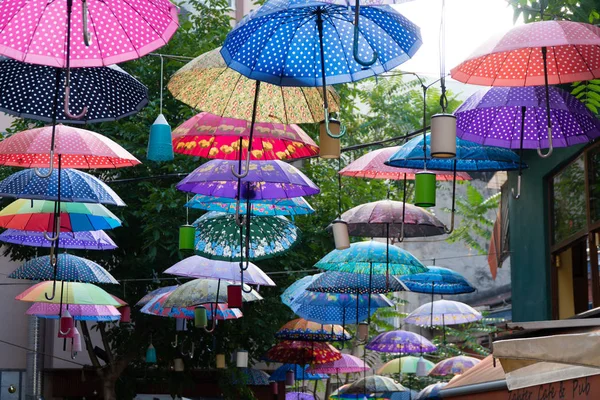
(79, 312)
(93, 240)
(69, 268)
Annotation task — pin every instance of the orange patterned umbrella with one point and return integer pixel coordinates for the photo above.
(301, 329)
(302, 352)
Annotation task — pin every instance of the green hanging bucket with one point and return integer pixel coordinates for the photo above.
(160, 147)
(186, 237)
(425, 189)
(200, 317)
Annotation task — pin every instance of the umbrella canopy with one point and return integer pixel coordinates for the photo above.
(301, 329)
(297, 288)
(117, 32)
(374, 384)
(206, 83)
(437, 280)
(494, 117)
(153, 294)
(515, 57)
(266, 180)
(346, 365)
(200, 267)
(78, 312)
(38, 215)
(364, 257)
(400, 341)
(75, 186)
(385, 218)
(251, 377)
(109, 93)
(406, 365)
(263, 207)
(93, 240)
(201, 291)
(454, 365)
(372, 166)
(347, 282)
(68, 268)
(218, 237)
(67, 293)
(299, 396)
(431, 392)
(443, 312)
(302, 352)
(300, 373)
(279, 43)
(211, 136)
(470, 157)
(221, 311)
(79, 148)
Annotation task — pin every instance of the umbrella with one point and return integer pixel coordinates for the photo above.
(200, 267)
(301, 329)
(347, 282)
(346, 365)
(211, 136)
(372, 166)
(205, 83)
(453, 366)
(443, 312)
(218, 237)
(38, 215)
(339, 393)
(75, 186)
(437, 280)
(68, 293)
(302, 352)
(371, 257)
(93, 240)
(406, 365)
(28, 91)
(263, 207)
(374, 384)
(431, 392)
(251, 377)
(201, 291)
(219, 311)
(153, 294)
(300, 373)
(78, 148)
(299, 396)
(78, 312)
(69, 268)
(265, 180)
(403, 342)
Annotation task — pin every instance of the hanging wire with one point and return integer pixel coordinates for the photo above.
(161, 81)
(187, 209)
(442, 51)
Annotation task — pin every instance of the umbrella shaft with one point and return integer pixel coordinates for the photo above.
(322, 54)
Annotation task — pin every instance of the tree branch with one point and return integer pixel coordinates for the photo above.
(107, 349)
(88, 345)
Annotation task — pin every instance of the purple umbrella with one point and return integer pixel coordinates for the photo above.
(91, 240)
(401, 342)
(299, 396)
(516, 118)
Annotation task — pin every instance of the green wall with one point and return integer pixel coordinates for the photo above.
(529, 236)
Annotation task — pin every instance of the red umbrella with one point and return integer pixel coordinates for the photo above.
(302, 352)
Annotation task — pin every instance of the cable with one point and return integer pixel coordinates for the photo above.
(40, 352)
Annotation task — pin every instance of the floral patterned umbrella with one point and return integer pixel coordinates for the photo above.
(67, 293)
(263, 207)
(220, 310)
(89, 240)
(299, 396)
(218, 237)
(302, 352)
(406, 365)
(202, 291)
(453, 366)
(346, 365)
(400, 341)
(211, 136)
(301, 329)
(300, 373)
(153, 294)
(78, 311)
(443, 312)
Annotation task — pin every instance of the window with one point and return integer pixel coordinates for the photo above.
(568, 206)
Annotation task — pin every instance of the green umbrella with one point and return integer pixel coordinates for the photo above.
(405, 365)
(374, 384)
(218, 237)
(202, 291)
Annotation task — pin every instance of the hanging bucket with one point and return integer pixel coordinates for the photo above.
(220, 361)
(242, 359)
(186, 237)
(180, 325)
(76, 341)
(178, 365)
(340, 234)
(329, 147)
(274, 387)
(363, 331)
(443, 136)
(125, 314)
(66, 326)
(421, 367)
(290, 378)
(160, 147)
(151, 355)
(200, 317)
(425, 189)
(234, 296)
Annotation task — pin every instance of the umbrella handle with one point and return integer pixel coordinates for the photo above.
(449, 231)
(174, 344)
(246, 291)
(239, 220)
(518, 195)
(55, 238)
(53, 292)
(331, 135)
(84, 17)
(401, 234)
(355, 44)
(53, 259)
(64, 333)
(550, 147)
(242, 174)
(47, 174)
(67, 112)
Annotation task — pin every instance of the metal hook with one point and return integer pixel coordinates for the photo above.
(64, 333)
(214, 319)
(401, 234)
(449, 231)
(355, 44)
(550, 147)
(239, 220)
(55, 238)
(174, 344)
(67, 111)
(53, 292)
(331, 135)
(242, 174)
(46, 175)
(518, 195)
(84, 17)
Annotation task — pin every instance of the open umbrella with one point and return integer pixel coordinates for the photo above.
(346, 365)
(403, 342)
(406, 365)
(67, 293)
(453, 366)
(437, 280)
(262, 207)
(154, 293)
(202, 291)
(251, 377)
(218, 237)
(200, 267)
(299, 396)
(374, 384)
(75, 186)
(431, 392)
(300, 373)
(301, 329)
(347, 282)
(303, 352)
(219, 311)
(443, 312)
(79, 312)
(92, 240)
(211, 136)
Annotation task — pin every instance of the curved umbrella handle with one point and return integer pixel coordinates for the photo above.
(214, 320)
(86, 34)
(550, 147)
(331, 135)
(174, 344)
(518, 195)
(53, 292)
(355, 44)
(53, 259)
(55, 238)
(449, 231)
(242, 174)
(67, 112)
(401, 234)
(64, 333)
(47, 174)
(239, 220)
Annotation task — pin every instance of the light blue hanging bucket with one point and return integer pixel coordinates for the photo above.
(160, 147)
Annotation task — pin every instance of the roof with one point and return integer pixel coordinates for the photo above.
(480, 373)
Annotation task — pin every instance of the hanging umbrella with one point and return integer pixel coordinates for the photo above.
(302, 352)
(454, 366)
(218, 237)
(374, 384)
(301, 329)
(265, 180)
(93, 240)
(299, 396)
(69, 268)
(251, 377)
(346, 365)
(339, 394)
(153, 294)
(201, 291)
(372, 166)
(109, 93)
(211, 136)
(38, 215)
(406, 365)
(262, 208)
(297, 288)
(300, 373)
(67, 293)
(443, 312)
(220, 311)
(75, 186)
(403, 342)
(347, 282)
(206, 83)
(431, 392)
(437, 280)
(371, 256)
(78, 312)
(200, 267)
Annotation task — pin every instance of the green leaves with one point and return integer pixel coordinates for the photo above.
(588, 92)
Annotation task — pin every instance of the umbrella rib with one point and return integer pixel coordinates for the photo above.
(122, 28)
(267, 39)
(36, 26)
(582, 58)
